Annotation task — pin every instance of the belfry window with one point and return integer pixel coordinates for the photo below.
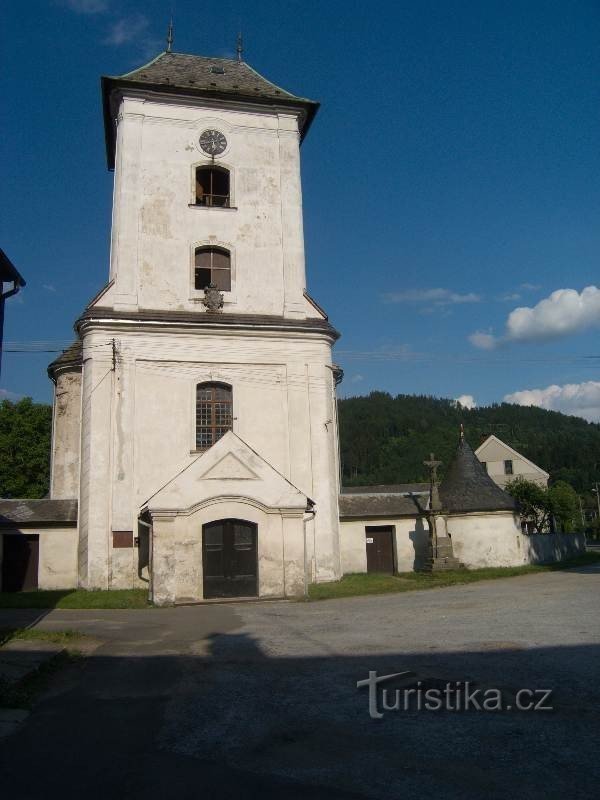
(212, 187)
(213, 413)
(212, 265)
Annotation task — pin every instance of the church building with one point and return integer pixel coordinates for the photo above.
(195, 437)
(195, 418)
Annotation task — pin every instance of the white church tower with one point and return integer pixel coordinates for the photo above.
(198, 425)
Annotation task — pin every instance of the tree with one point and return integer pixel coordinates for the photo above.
(25, 431)
(564, 506)
(534, 502)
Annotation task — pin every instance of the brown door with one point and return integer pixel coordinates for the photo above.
(380, 548)
(229, 558)
(20, 555)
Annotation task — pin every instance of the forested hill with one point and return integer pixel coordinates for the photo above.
(385, 439)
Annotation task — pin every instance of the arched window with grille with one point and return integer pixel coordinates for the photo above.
(212, 187)
(214, 413)
(212, 265)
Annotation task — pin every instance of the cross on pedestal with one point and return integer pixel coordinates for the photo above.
(434, 482)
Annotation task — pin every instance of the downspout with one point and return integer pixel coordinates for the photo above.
(308, 515)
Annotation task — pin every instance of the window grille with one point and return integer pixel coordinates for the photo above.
(213, 413)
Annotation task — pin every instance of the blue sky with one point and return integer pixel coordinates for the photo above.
(450, 178)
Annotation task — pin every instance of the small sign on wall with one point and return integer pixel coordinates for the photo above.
(369, 540)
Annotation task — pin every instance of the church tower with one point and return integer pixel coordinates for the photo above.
(208, 431)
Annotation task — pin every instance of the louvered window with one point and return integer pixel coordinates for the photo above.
(213, 413)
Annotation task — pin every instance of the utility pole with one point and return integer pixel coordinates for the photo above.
(596, 491)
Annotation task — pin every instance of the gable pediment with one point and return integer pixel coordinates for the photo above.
(230, 468)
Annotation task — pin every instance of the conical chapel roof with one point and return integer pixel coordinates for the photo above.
(200, 76)
(467, 486)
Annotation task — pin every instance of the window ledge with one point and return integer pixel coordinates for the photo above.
(212, 208)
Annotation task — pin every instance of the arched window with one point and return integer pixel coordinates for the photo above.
(213, 413)
(213, 265)
(212, 187)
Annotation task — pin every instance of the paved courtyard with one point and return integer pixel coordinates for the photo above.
(242, 700)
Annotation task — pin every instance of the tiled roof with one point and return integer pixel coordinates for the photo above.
(468, 487)
(364, 506)
(25, 513)
(201, 76)
(71, 357)
(395, 488)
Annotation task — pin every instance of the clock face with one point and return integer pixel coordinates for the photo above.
(213, 142)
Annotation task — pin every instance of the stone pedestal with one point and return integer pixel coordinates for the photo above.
(441, 556)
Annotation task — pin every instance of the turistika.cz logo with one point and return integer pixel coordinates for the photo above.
(454, 696)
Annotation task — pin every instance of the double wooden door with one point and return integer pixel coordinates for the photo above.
(229, 558)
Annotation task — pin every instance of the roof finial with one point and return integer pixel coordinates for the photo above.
(462, 433)
(240, 46)
(170, 35)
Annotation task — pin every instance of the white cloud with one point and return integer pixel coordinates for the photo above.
(529, 287)
(357, 378)
(483, 340)
(577, 399)
(466, 401)
(127, 29)
(87, 6)
(437, 297)
(49, 287)
(511, 297)
(564, 312)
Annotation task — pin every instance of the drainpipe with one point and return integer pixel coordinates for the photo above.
(309, 514)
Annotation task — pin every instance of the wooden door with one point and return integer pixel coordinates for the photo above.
(229, 558)
(20, 557)
(380, 548)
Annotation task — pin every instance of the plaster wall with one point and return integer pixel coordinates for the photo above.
(494, 453)
(410, 543)
(57, 566)
(156, 224)
(177, 551)
(139, 429)
(66, 432)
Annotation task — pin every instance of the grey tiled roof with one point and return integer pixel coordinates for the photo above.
(25, 513)
(210, 74)
(395, 488)
(71, 357)
(364, 506)
(201, 76)
(468, 487)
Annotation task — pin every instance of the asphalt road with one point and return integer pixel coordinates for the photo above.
(260, 699)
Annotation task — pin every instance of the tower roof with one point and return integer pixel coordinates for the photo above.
(468, 487)
(200, 76)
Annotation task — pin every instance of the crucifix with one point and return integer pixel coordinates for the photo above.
(435, 504)
(434, 482)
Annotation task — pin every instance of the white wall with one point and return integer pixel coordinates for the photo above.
(57, 566)
(494, 453)
(155, 225)
(139, 428)
(66, 432)
(479, 540)
(410, 542)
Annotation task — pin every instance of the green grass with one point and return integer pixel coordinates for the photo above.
(66, 638)
(76, 598)
(372, 583)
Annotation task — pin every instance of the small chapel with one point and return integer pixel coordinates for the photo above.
(195, 436)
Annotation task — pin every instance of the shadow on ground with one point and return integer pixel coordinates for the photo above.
(219, 717)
